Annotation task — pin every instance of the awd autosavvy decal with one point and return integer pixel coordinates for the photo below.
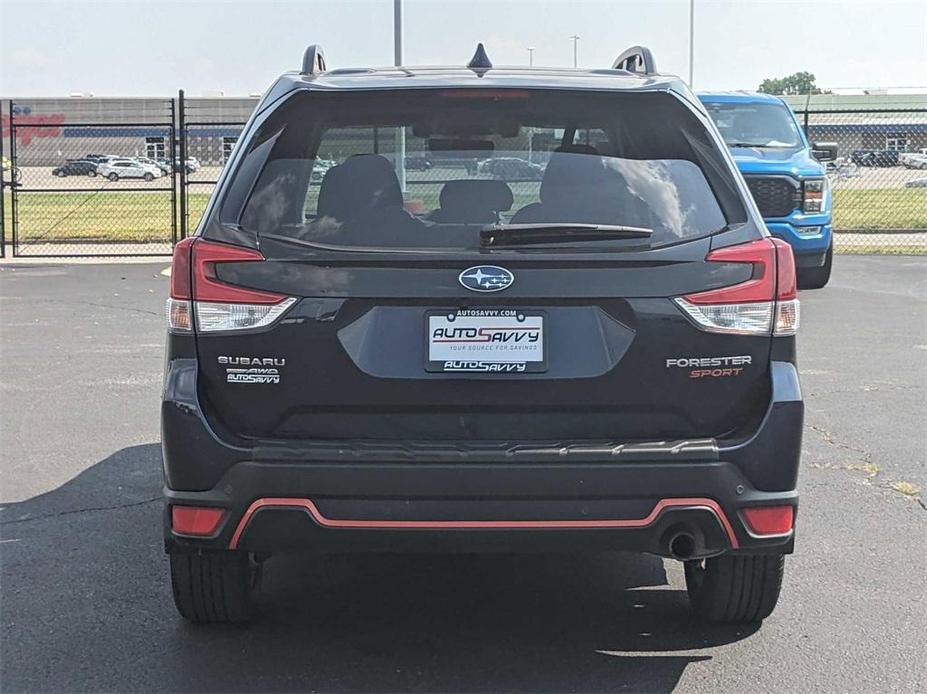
(711, 367)
(252, 369)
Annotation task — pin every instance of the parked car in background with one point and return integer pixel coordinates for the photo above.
(192, 165)
(785, 174)
(509, 168)
(163, 165)
(320, 168)
(102, 158)
(875, 157)
(76, 167)
(418, 163)
(128, 168)
(841, 168)
(914, 160)
(916, 183)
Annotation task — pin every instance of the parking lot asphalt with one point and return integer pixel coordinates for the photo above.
(85, 599)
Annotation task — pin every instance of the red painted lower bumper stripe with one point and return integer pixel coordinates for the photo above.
(308, 506)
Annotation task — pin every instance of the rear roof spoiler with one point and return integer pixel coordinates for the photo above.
(637, 59)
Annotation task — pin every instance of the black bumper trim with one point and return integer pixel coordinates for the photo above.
(548, 496)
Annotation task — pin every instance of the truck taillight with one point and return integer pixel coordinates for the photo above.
(196, 291)
(765, 304)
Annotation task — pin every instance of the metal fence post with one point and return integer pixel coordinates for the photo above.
(2, 201)
(182, 125)
(14, 219)
(173, 158)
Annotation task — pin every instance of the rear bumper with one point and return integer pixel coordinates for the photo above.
(407, 508)
(400, 499)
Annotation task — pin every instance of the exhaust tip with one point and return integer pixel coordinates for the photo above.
(682, 546)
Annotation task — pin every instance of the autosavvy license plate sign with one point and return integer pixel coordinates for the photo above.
(486, 341)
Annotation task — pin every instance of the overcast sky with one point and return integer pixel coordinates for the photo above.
(154, 47)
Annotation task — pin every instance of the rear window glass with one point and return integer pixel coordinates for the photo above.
(430, 168)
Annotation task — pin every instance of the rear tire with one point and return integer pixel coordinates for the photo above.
(113, 177)
(215, 587)
(740, 589)
(816, 277)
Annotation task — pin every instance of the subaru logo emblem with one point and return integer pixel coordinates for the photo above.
(486, 278)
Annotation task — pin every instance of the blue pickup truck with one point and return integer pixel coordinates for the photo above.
(784, 172)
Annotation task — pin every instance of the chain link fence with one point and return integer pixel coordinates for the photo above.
(209, 130)
(91, 178)
(879, 179)
(132, 176)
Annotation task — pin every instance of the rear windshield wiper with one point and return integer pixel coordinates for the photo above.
(496, 235)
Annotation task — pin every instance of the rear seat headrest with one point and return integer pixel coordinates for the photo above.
(361, 182)
(478, 194)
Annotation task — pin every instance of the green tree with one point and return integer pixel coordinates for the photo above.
(798, 83)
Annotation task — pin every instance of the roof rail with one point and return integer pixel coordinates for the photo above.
(313, 60)
(637, 59)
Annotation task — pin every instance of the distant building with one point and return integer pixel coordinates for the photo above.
(874, 121)
(50, 131)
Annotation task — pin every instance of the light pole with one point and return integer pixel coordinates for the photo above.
(575, 39)
(530, 56)
(691, 44)
(400, 148)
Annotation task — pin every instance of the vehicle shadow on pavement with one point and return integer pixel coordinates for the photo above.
(86, 605)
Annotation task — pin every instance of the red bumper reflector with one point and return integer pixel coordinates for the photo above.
(196, 520)
(769, 520)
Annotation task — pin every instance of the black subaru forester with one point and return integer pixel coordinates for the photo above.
(592, 350)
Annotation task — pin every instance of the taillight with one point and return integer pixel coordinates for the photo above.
(197, 290)
(788, 310)
(179, 305)
(812, 195)
(765, 304)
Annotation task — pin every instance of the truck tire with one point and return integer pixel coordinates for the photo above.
(738, 589)
(816, 277)
(215, 587)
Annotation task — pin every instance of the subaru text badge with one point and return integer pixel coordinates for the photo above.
(486, 278)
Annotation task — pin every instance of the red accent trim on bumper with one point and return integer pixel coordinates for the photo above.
(308, 506)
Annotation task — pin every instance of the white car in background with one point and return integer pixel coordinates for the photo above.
(128, 168)
(914, 160)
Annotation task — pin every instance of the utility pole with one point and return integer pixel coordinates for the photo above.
(530, 56)
(691, 44)
(400, 148)
(397, 32)
(575, 39)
